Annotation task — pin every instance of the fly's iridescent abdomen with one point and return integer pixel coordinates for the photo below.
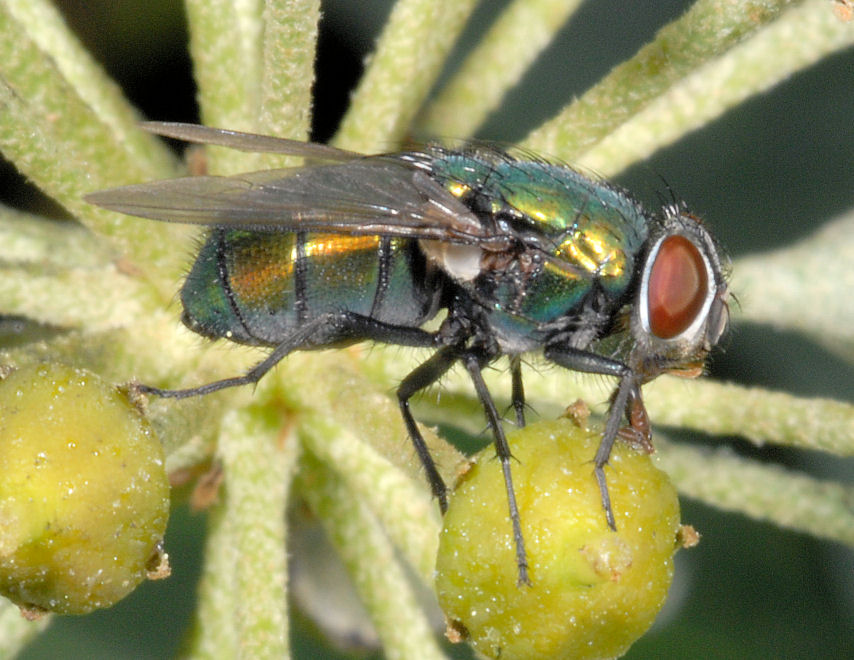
(256, 287)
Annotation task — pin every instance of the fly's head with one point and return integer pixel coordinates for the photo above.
(681, 310)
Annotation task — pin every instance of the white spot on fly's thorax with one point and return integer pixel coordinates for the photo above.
(462, 262)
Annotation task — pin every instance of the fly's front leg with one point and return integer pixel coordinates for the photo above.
(628, 391)
(423, 376)
(612, 428)
(639, 432)
(472, 363)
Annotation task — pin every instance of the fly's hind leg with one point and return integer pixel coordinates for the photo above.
(297, 339)
(323, 330)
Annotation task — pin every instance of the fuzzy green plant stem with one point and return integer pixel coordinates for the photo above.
(707, 29)
(254, 66)
(514, 41)
(406, 62)
(242, 603)
(772, 493)
(66, 127)
(370, 558)
(413, 523)
(800, 36)
(773, 287)
(16, 631)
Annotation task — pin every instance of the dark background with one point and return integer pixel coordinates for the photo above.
(764, 175)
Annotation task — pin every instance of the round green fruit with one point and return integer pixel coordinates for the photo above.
(593, 591)
(84, 497)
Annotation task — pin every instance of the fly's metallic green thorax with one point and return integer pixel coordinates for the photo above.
(595, 228)
(588, 236)
(521, 254)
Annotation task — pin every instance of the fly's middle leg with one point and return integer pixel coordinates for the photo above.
(423, 376)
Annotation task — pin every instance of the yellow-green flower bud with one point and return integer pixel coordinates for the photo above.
(84, 497)
(593, 591)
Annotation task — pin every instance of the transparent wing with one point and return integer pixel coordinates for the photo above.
(365, 195)
(247, 141)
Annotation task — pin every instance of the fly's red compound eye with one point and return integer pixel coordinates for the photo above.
(677, 287)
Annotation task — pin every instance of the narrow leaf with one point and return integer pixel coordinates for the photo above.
(226, 44)
(258, 460)
(290, 40)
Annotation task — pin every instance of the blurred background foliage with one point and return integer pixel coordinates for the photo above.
(763, 176)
